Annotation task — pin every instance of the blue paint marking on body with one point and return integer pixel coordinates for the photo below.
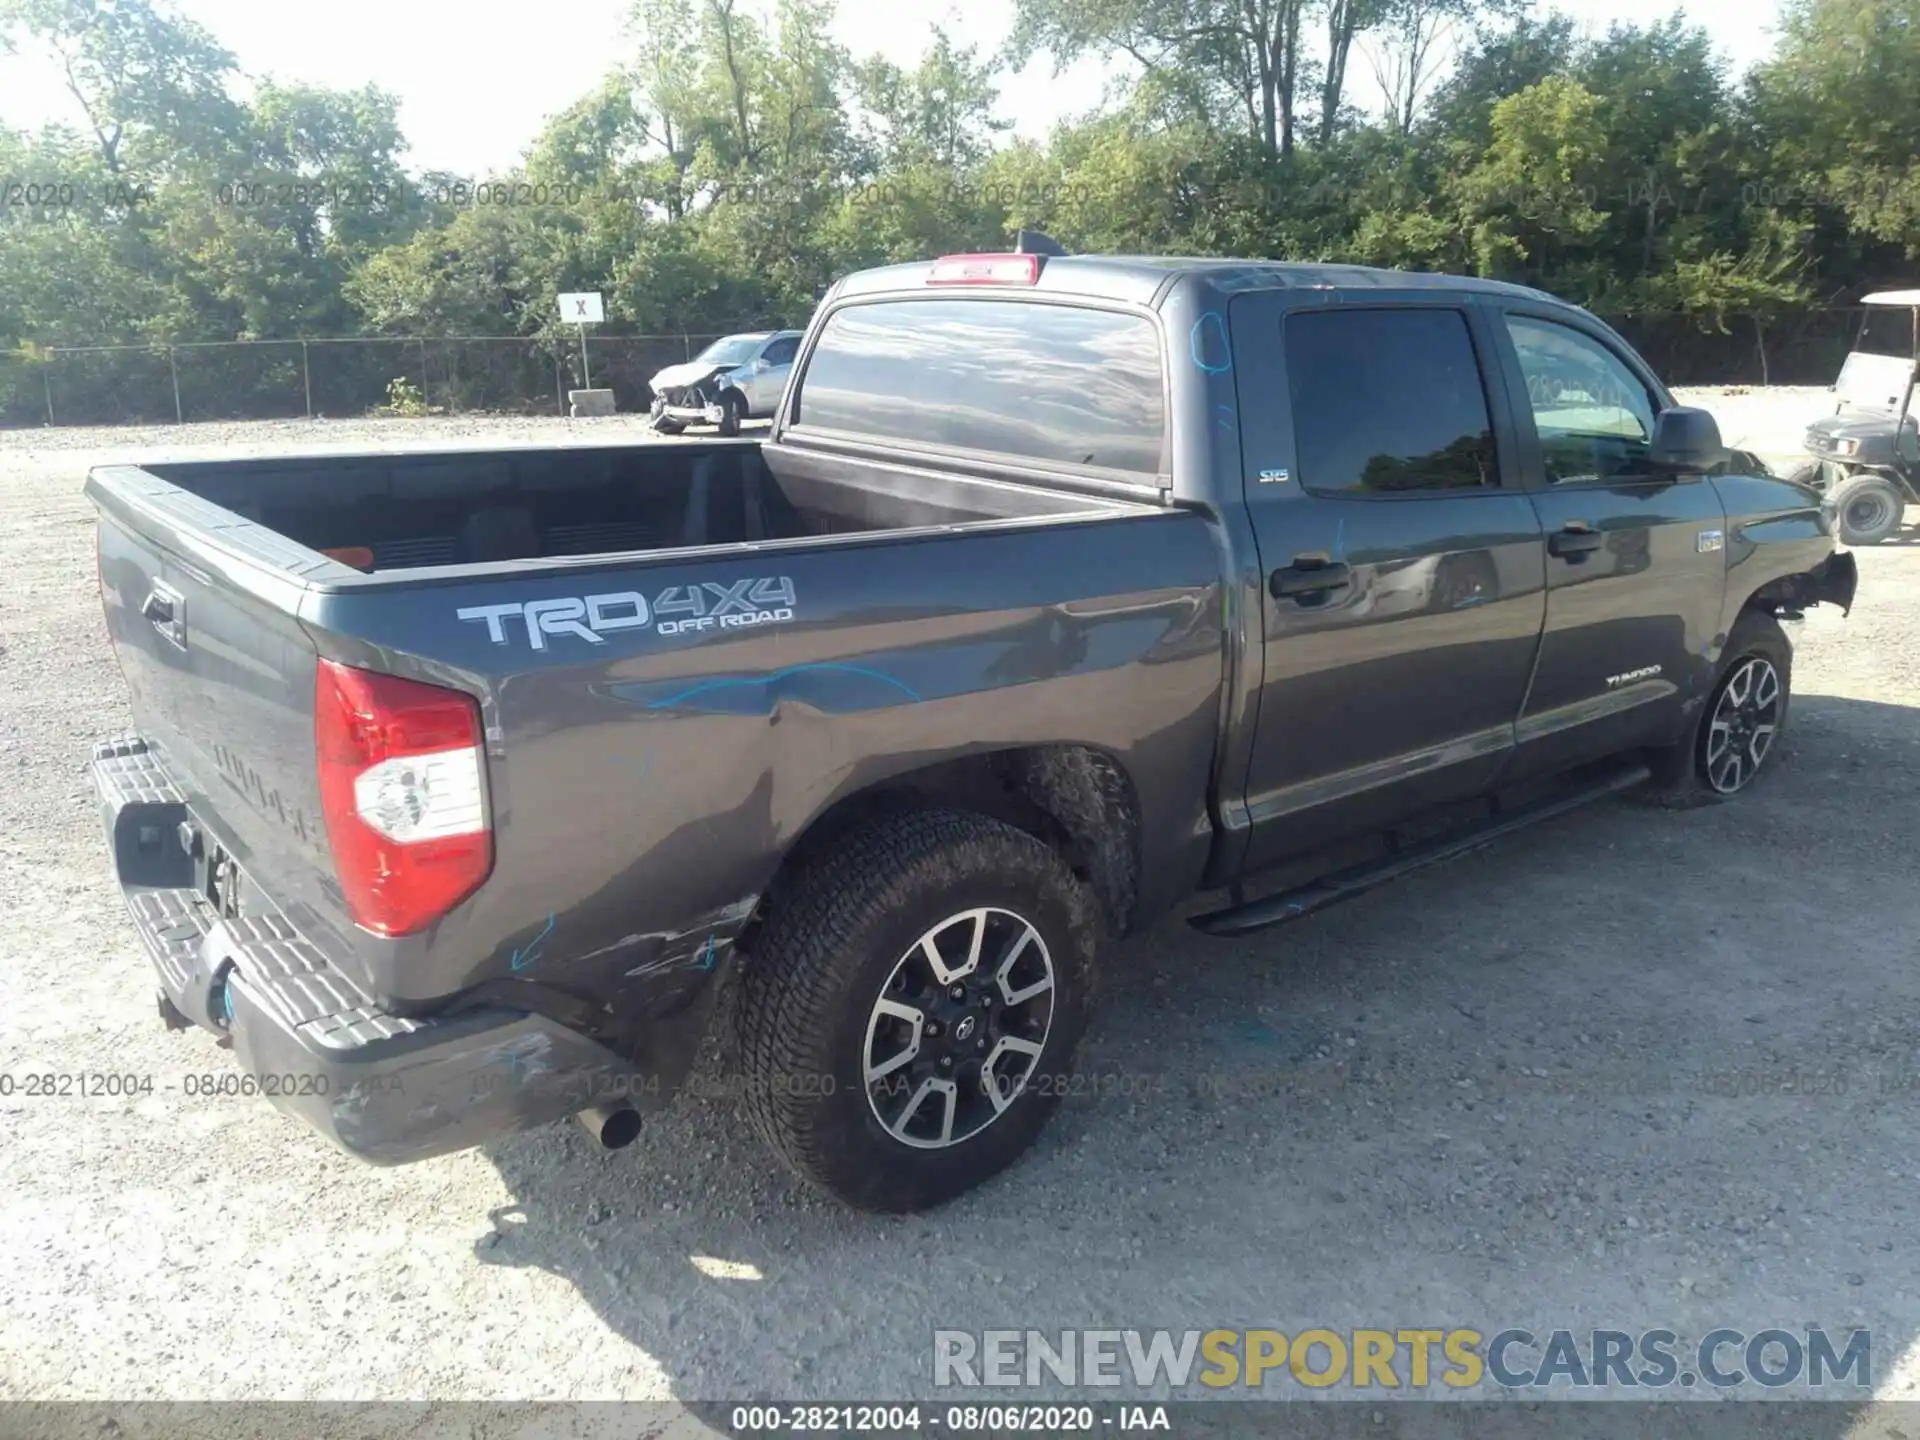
(704, 957)
(707, 686)
(1340, 538)
(1471, 600)
(1225, 416)
(1197, 344)
(524, 959)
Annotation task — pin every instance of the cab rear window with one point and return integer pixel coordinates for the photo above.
(1032, 381)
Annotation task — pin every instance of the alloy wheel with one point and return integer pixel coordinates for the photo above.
(958, 1028)
(1745, 719)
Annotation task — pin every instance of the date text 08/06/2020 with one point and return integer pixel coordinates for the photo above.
(957, 1419)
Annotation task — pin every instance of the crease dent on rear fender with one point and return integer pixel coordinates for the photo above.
(838, 685)
(1060, 641)
(697, 946)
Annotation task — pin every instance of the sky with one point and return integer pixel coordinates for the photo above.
(470, 101)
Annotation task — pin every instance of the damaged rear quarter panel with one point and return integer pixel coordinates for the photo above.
(645, 787)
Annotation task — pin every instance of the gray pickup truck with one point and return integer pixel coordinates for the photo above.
(1063, 590)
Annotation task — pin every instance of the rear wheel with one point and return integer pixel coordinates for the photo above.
(733, 410)
(913, 1006)
(1740, 724)
(1869, 508)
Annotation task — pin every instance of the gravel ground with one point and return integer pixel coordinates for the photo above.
(1491, 1094)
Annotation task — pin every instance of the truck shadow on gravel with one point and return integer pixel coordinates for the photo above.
(1639, 1069)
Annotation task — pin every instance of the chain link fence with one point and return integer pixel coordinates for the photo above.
(1804, 347)
(287, 379)
(500, 374)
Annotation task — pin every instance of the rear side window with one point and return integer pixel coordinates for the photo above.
(1387, 401)
(1037, 382)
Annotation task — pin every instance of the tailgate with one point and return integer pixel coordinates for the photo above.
(221, 676)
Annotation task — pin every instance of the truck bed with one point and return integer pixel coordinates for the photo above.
(598, 601)
(403, 511)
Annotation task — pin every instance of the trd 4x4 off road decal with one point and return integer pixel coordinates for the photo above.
(676, 610)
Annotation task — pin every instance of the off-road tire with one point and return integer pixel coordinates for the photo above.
(832, 944)
(1880, 503)
(1680, 776)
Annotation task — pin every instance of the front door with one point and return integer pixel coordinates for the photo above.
(1636, 562)
(1403, 562)
(770, 373)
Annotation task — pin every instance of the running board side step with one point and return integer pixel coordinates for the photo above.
(1345, 884)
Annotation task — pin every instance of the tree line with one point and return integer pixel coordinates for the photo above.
(738, 158)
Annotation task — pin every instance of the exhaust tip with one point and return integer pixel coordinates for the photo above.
(622, 1128)
(614, 1126)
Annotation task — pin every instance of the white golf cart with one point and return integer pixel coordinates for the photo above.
(1866, 455)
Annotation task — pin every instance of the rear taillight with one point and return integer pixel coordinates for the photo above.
(403, 788)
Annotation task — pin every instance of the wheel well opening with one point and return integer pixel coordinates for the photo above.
(1768, 600)
(1788, 597)
(1076, 799)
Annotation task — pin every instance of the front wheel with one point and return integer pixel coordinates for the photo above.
(909, 1016)
(1869, 508)
(1740, 724)
(733, 410)
(665, 426)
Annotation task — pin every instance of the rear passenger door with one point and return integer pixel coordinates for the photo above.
(1403, 562)
(1636, 562)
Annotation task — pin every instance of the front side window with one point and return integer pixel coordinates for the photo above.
(1052, 383)
(1387, 402)
(1594, 416)
(781, 352)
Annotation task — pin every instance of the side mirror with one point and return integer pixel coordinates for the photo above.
(1686, 441)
